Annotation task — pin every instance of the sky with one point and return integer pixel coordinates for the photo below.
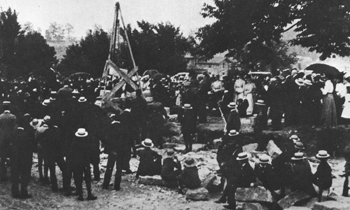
(85, 14)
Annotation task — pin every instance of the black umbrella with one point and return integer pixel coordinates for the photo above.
(323, 69)
(150, 73)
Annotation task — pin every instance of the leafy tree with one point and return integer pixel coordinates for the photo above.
(88, 56)
(160, 47)
(24, 51)
(321, 25)
(55, 32)
(9, 31)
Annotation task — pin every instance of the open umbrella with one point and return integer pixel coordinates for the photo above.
(150, 72)
(323, 69)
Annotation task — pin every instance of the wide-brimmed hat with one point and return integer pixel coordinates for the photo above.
(46, 102)
(82, 99)
(187, 106)
(322, 154)
(169, 153)
(75, 92)
(298, 156)
(294, 137)
(260, 102)
(147, 143)
(242, 156)
(34, 122)
(232, 105)
(190, 162)
(233, 133)
(47, 118)
(81, 132)
(6, 103)
(264, 159)
(299, 145)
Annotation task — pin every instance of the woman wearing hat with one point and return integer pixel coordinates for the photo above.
(171, 167)
(329, 113)
(323, 175)
(189, 177)
(150, 160)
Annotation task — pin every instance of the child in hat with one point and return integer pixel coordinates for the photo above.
(189, 177)
(323, 175)
(150, 160)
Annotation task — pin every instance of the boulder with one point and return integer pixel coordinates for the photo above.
(200, 194)
(331, 205)
(152, 180)
(273, 150)
(298, 208)
(195, 147)
(254, 206)
(211, 183)
(292, 198)
(253, 194)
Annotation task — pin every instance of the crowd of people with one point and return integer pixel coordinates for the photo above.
(64, 126)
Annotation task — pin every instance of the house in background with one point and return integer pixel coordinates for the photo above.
(218, 65)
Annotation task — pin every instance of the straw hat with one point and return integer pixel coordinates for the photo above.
(260, 102)
(46, 102)
(187, 106)
(298, 156)
(81, 132)
(264, 159)
(322, 154)
(147, 143)
(294, 137)
(47, 118)
(6, 103)
(299, 145)
(242, 156)
(232, 105)
(233, 133)
(190, 162)
(169, 153)
(82, 99)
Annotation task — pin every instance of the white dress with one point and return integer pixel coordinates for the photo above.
(346, 110)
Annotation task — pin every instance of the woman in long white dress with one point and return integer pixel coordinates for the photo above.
(249, 90)
(329, 113)
(346, 107)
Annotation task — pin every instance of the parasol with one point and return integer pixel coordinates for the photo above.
(323, 69)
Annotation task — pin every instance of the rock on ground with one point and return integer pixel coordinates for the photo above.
(253, 194)
(273, 150)
(200, 194)
(254, 206)
(331, 205)
(292, 198)
(298, 208)
(152, 180)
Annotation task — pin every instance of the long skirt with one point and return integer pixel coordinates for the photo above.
(329, 113)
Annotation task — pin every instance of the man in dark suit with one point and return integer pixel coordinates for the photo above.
(245, 177)
(116, 147)
(22, 146)
(7, 131)
(139, 112)
(150, 160)
(78, 161)
(188, 119)
(233, 119)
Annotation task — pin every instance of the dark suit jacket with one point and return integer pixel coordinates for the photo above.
(188, 120)
(190, 177)
(233, 121)
(7, 130)
(246, 176)
(323, 175)
(149, 162)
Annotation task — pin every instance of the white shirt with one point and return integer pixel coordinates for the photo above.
(340, 89)
(328, 87)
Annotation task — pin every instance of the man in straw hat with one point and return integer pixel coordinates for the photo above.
(150, 160)
(233, 119)
(230, 142)
(78, 161)
(171, 167)
(301, 175)
(323, 175)
(265, 173)
(245, 177)
(189, 177)
(188, 120)
(275, 95)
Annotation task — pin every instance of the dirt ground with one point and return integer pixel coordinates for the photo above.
(132, 196)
